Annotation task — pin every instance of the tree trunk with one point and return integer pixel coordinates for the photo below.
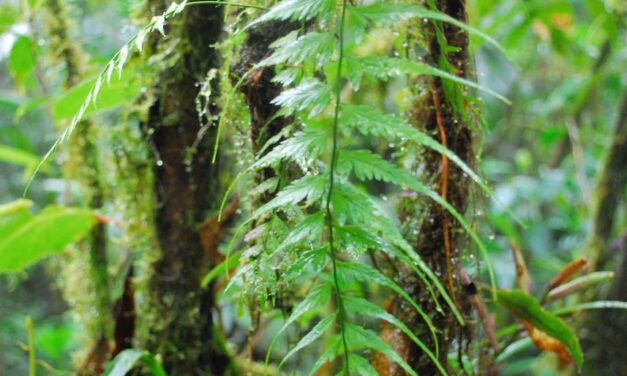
(439, 109)
(605, 331)
(90, 299)
(175, 312)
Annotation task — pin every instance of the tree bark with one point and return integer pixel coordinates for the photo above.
(605, 331)
(176, 314)
(439, 109)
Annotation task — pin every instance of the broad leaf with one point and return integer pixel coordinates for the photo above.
(527, 308)
(26, 239)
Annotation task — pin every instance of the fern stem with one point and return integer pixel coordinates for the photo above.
(329, 211)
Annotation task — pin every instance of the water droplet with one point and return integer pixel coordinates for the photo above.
(159, 163)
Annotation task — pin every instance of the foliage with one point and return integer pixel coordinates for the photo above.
(307, 257)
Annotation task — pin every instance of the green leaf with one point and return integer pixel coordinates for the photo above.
(22, 59)
(27, 239)
(385, 13)
(359, 366)
(527, 308)
(317, 297)
(296, 10)
(384, 68)
(8, 16)
(361, 337)
(310, 93)
(361, 306)
(368, 274)
(316, 332)
(119, 92)
(309, 188)
(128, 359)
(313, 46)
(370, 121)
(329, 354)
(305, 144)
(20, 157)
(305, 231)
(367, 165)
(603, 304)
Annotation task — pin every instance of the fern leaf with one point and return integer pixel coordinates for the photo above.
(307, 262)
(361, 337)
(309, 93)
(365, 273)
(292, 50)
(368, 165)
(306, 231)
(296, 10)
(384, 68)
(361, 306)
(316, 332)
(305, 144)
(360, 366)
(317, 298)
(384, 13)
(355, 240)
(332, 349)
(309, 188)
(370, 121)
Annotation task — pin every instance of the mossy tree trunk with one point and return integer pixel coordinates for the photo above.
(174, 312)
(439, 108)
(90, 299)
(605, 331)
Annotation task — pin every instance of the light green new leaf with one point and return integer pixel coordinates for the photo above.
(128, 359)
(20, 157)
(68, 104)
(22, 59)
(316, 332)
(26, 238)
(527, 308)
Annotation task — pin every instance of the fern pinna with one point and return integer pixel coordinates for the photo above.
(313, 237)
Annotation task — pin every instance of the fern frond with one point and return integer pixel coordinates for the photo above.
(369, 121)
(384, 13)
(296, 50)
(309, 188)
(296, 10)
(310, 94)
(306, 144)
(367, 165)
(317, 297)
(316, 332)
(384, 68)
(363, 307)
(364, 273)
(365, 338)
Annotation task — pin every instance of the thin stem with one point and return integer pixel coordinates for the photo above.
(32, 357)
(329, 211)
